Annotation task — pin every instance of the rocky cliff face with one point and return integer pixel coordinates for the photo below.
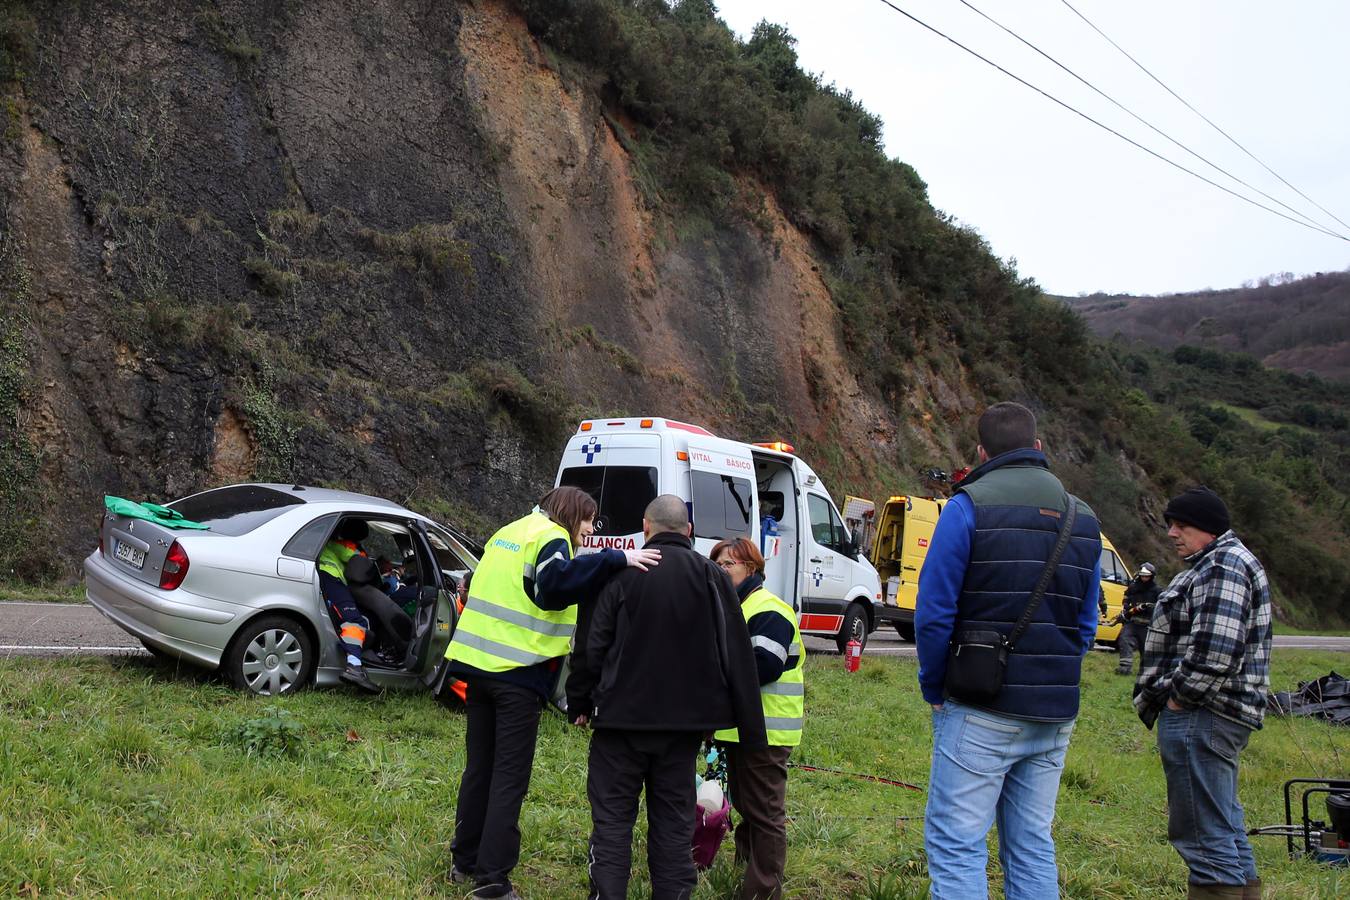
(386, 246)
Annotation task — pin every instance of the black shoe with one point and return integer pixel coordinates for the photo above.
(356, 675)
(458, 875)
(496, 891)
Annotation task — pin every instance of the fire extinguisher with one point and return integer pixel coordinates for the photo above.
(852, 656)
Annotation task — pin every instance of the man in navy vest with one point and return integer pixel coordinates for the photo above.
(1002, 760)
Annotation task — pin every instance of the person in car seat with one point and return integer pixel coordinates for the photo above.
(393, 626)
(351, 625)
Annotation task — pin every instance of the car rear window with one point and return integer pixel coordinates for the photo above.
(621, 492)
(236, 510)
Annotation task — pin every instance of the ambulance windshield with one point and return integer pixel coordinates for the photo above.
(622, 492)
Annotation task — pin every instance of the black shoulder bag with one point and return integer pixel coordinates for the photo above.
(977, 659)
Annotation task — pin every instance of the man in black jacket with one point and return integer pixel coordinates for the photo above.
(665, 661)
(1141, 595)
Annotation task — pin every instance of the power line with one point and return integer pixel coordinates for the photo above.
(1131, 141)
(1202, 115)
(1142, 120)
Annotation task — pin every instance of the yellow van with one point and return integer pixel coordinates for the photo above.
(1115, 576)
(903, 533)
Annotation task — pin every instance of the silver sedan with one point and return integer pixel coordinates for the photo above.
(243, 595)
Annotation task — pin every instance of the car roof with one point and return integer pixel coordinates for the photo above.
(322, 495)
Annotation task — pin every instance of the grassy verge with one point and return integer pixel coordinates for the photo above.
(41, 592)
(127, 778)
(1281, 628)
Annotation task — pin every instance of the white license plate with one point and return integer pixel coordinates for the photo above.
(130, 555)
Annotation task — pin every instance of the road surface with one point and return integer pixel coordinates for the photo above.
(61, 629)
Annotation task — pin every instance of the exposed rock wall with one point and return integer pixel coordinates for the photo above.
(383, 245)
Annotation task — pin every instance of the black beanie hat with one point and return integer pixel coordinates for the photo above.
(1200, 507)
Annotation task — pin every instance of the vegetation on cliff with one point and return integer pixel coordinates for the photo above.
(345, 293)
(711, 113)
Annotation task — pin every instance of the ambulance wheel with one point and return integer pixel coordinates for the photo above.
(853, 629)
(905, 630)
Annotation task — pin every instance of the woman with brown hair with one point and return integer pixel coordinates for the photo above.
(508, 646)
(757, 779)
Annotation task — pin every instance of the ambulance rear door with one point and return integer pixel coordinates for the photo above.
(723, 503)
(622, 472)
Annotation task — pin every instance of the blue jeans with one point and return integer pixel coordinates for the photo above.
(1204, 818)
(989, 767)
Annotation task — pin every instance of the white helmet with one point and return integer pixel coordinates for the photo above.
(1147, 569)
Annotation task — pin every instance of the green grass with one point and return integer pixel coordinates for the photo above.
(127, 778)
(1252, 417)
(41, 592)
(1282, 628)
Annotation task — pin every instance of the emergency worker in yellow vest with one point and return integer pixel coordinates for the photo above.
(757, 779)
(508, 646)
(352, 626)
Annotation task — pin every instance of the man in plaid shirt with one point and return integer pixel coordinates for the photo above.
(1203, 679)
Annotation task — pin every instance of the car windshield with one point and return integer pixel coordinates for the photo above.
(235, 510)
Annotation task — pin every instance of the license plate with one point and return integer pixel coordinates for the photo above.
(130, 555)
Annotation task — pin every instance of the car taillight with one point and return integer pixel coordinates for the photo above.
(175, 568)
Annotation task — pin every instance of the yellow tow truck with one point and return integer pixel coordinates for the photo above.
(902, 534)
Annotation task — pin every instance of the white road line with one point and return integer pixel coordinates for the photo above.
(70, 603)
(67, 648)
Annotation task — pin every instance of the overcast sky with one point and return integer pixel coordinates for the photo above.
(1079, 209)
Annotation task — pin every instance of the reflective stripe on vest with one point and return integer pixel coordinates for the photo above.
(784, 699)
(501, 628)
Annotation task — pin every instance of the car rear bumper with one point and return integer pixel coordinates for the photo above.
(197, 632)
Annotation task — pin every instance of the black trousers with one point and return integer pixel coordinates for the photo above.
(622, 763)
(1131, 638)
(757, 780)
(503, 724)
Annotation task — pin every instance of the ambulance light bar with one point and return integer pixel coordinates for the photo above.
(780, 446)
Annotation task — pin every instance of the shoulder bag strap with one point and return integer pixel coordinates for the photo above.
(1051, 564)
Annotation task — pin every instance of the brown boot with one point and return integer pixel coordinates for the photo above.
(1253, 890)
(1215, 892)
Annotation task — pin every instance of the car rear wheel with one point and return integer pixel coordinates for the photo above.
(270, 656)
(853, 629)
(905, 630)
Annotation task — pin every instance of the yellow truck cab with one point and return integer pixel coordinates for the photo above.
(903, 532)
(1115, 576)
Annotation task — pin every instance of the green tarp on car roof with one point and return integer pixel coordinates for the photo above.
(152, 512)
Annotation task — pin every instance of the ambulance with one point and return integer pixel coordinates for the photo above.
(759, 491)
(901, 536)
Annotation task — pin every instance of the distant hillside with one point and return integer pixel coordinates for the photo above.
(1301, 325)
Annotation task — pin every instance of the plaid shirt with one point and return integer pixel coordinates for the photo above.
(1208, 643)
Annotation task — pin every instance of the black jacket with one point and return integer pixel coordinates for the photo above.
(668, 650)
(1140, 597)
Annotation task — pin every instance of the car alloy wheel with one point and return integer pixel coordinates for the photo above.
(271, 656)
(273, 662)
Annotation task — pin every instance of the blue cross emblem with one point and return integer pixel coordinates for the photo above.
(592, 449)
(817, 575)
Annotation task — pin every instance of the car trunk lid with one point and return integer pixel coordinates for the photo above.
(137, 547)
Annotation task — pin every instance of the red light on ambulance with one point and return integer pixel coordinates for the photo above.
(645, 423)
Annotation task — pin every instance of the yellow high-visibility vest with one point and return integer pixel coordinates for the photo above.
(785, 699)
(501, 627)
